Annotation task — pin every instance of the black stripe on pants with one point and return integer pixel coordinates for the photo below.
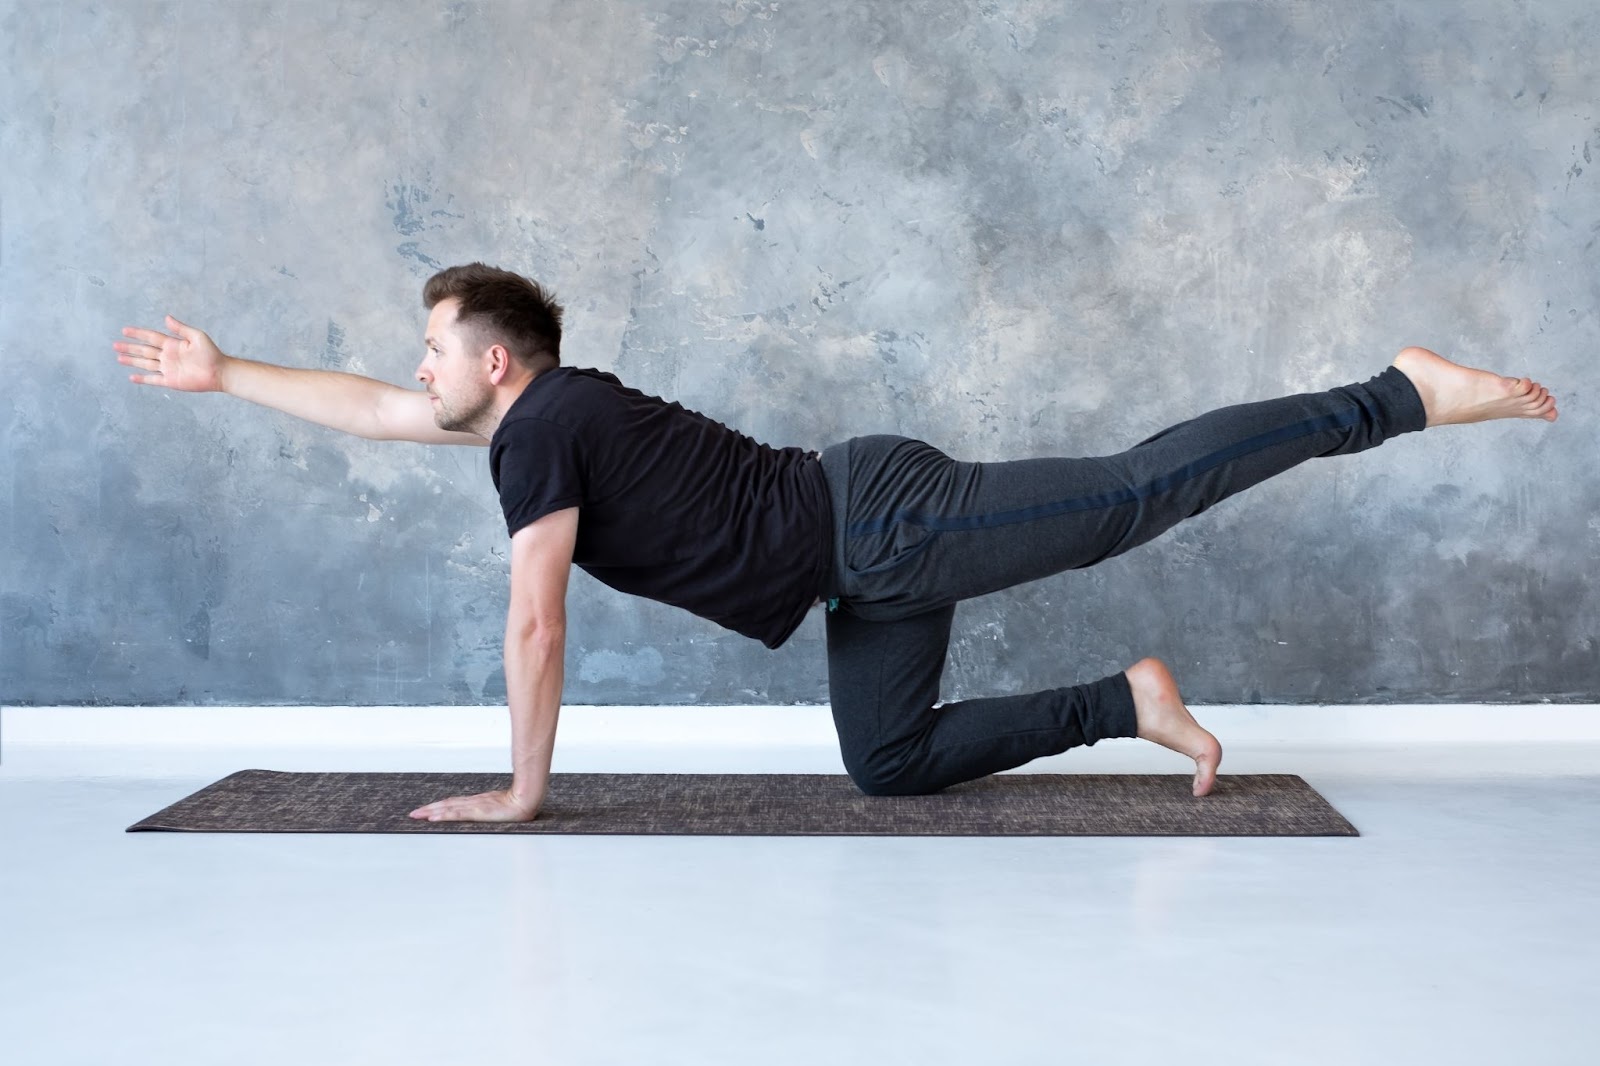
(916, 531)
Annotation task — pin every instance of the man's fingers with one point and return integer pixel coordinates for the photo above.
(149, 336)
(484, 807)
(451, 810)
(183, 329)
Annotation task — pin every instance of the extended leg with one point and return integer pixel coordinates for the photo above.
(952, 530)
(927, 530)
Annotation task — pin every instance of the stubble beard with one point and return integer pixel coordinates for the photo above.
(463, 421)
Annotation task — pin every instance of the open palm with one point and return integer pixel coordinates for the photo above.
(189, 362)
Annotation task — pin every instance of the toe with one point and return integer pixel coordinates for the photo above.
(1206, 762)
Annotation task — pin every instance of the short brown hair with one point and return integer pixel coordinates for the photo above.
(499, 307)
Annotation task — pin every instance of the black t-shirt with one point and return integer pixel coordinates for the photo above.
(673, 505)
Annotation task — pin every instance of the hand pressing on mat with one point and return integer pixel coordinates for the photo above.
(499, 806)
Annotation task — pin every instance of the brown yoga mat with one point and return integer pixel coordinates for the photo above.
(1026, 804)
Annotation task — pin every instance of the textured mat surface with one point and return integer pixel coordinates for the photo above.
(1026, 804)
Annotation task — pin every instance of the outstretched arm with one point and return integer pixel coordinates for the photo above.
(365, 407)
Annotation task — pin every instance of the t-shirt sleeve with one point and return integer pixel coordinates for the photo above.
(540, 471)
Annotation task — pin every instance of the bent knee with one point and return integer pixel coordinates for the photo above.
(878, 779)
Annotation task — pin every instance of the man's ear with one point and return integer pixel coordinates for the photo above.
(499, 363)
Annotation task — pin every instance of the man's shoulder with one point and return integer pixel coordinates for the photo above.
(564, 386)
(562, 396)
(580, 375)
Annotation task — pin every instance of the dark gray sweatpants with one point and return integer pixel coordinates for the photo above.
(916, 531)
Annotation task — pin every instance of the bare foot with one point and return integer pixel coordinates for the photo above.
(1453, 394)
(1165, 720)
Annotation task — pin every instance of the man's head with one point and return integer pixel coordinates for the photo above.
(489, 333)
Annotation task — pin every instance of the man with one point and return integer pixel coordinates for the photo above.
(888, 530)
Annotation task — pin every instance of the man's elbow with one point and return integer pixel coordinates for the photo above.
(536, 631)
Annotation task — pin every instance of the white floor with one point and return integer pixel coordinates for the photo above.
(1461, 927)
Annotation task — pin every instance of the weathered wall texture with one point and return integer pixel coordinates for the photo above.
(1010, 229)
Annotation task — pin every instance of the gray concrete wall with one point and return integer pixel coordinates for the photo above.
(1010, 229)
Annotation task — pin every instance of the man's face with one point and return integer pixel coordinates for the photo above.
(452, 373)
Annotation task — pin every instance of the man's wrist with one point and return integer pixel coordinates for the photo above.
(225, 366)
(528, 794)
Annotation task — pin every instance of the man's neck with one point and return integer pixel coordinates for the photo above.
(505, 396)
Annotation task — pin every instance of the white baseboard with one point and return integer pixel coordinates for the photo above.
(477, 726)
(1324, 742)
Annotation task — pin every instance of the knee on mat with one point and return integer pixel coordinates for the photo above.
(882, 779)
